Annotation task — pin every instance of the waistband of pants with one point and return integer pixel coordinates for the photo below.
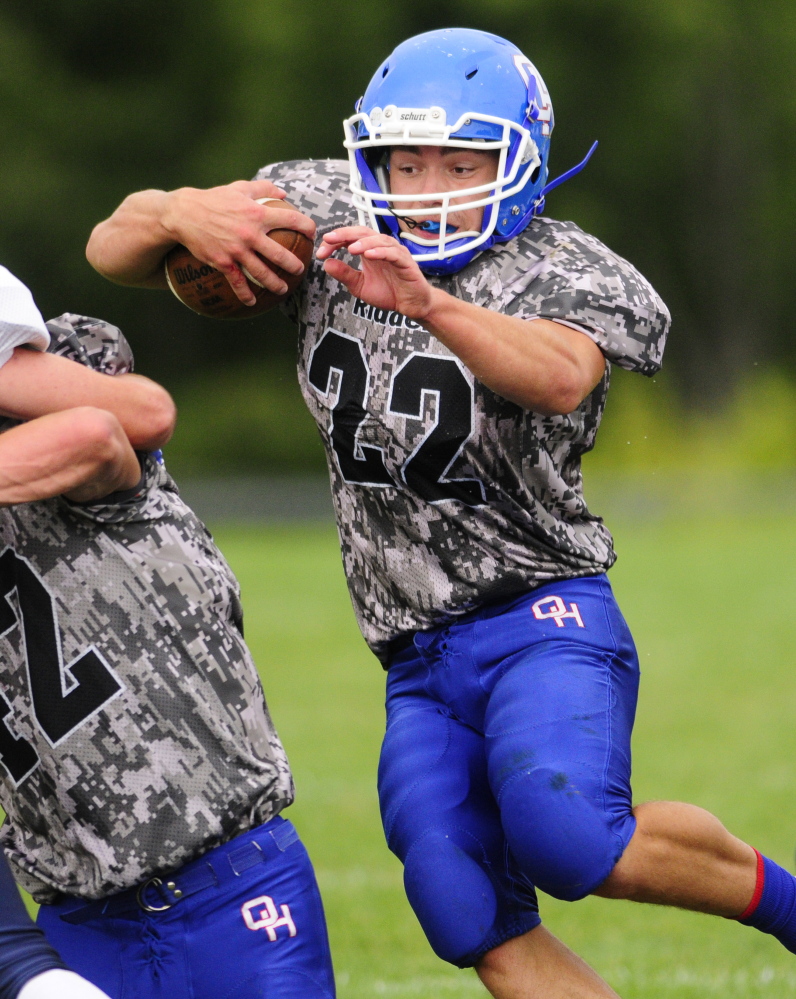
(412, 639)
(213, 869)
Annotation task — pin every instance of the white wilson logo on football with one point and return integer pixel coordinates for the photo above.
(261, 914)
(555, 608)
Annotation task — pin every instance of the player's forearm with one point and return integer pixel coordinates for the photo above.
(538, 364)
(82, 453)
(129, 246)
(34, 384)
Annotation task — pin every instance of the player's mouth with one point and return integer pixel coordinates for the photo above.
(433, 228)
(425, 228)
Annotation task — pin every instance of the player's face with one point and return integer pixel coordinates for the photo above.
(435, 169)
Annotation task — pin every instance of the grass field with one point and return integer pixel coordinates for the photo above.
(711, 606)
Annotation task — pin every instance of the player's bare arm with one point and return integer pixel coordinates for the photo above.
(82, 453)
(34, 384)
(223, 226)
(539, 364)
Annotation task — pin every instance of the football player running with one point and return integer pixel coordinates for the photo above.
(140, 772)
(457, 373)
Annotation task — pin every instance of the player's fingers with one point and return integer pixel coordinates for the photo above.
(239, 276)
(253, 266)
(238, 282)
(371, 241)
(268, 253)
(386, 253)
(288, 218)
(348, 234)
(341, 271)
(257, 189)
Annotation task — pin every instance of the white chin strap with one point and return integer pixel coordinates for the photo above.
(20, 320)
(57, 984)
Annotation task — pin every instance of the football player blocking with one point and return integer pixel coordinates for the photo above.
(455, 349)
(155, 780)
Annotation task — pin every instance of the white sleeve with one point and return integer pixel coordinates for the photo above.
(57, 984)
(20, 320)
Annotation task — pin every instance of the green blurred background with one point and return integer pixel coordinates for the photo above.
(692, 101)
(694, 104)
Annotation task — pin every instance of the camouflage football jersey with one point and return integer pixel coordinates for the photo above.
(134, 734)
(447, 495)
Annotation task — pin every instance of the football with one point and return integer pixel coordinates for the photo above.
(206, 290)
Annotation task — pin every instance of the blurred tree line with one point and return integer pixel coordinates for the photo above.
(692, 101)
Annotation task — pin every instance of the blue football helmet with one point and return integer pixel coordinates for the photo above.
(455, 87)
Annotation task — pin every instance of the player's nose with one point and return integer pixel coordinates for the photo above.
(433, 181)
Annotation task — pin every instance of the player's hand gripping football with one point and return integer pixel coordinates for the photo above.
(388, 277)
(227, 228)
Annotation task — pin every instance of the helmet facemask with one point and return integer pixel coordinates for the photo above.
(371, 136)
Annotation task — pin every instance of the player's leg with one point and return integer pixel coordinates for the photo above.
(442, 822)
(682, 855)
(99, 949)
(558, 728)
(537, 965)
(267, 923)
(244, 921)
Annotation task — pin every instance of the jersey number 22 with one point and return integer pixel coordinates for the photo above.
(421, 375)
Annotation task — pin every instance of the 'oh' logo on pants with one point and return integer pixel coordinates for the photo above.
(555, 608)
(261, 914)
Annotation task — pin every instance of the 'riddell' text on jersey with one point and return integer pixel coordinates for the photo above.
(447, 495)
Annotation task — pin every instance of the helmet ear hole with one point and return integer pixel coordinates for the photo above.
(535, 174)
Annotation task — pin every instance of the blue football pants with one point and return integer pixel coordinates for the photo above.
(247, 924)
(506, 762)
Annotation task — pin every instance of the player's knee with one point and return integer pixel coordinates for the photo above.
(452, 896)
(559, 839)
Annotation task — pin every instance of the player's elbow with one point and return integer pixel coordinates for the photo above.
(103, 460)
(93, 248)
(98, 438)
(563, 393)
(158, 418)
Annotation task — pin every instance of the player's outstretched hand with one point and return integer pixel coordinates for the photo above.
(389, 278)
(58, 984)
(228, 228)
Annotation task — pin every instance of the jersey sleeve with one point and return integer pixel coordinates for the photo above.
(318, 188)
(580, 283)
(148, 500)
(21, 323)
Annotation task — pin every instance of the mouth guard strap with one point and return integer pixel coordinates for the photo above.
(427, 226)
